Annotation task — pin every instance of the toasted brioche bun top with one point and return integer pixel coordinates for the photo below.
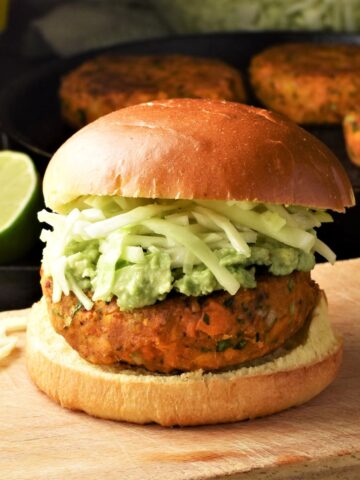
(197, 149)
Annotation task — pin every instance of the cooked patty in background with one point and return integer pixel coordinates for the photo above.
(351, 126)
(308, 83)
(110, 82)
(188, 333)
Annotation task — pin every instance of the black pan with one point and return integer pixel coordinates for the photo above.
(30, 116)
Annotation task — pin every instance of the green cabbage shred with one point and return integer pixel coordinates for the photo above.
(214, 15)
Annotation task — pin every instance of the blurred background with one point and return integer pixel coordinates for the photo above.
(43, 41)
(35, 30)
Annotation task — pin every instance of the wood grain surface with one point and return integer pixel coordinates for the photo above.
(320, 440)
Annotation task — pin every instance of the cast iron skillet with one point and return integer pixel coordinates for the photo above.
(30, 116)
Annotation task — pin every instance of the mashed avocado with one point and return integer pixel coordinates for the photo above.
(281, 260)
(82, 258)
(144, 283)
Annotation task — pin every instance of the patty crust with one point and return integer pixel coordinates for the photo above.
(110, 82)
(308, 83)
(188, 333)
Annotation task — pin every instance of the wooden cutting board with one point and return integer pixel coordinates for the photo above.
(39, 440)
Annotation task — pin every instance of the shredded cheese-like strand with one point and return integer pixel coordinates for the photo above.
(10, 322)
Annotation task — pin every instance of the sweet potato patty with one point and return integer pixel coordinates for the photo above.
(351, 125)
(188, 333)
(308, 83)
(109, 82)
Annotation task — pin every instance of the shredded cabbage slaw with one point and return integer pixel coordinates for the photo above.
(189, 232)
(213, 15)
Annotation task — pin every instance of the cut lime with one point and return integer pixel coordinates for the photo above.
(20, 199)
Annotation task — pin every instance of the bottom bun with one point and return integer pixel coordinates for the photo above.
(286, 379)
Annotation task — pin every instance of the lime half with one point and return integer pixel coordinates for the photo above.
(20, 199)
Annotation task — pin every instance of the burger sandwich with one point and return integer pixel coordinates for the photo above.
(176, 272)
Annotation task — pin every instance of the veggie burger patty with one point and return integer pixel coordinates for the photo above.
(188, 333)
(308, 83)
(110, 82)
(351, 127)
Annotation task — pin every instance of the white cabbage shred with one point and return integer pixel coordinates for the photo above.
(188, 231)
